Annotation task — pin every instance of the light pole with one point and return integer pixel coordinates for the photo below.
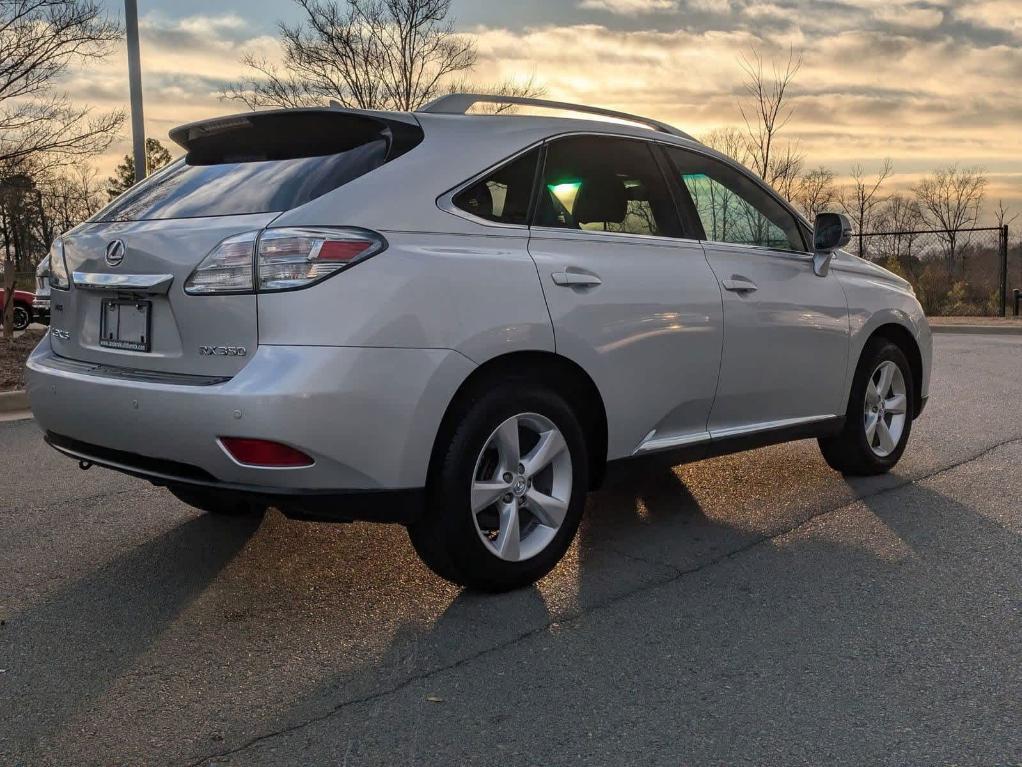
(135, 86)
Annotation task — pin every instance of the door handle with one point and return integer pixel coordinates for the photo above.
(576, 279)
(739, 285)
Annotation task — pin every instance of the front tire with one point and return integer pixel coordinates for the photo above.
(22, 317)
(506, 492)
(878, 422)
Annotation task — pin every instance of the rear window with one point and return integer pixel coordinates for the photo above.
(263, 163)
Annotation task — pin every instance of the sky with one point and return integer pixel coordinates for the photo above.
(926, 83)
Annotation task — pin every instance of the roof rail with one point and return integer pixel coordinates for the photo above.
(460, 103)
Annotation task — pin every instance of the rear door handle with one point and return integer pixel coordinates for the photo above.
(739, 285)
(576, 279)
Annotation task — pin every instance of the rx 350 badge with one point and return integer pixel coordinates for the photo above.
(223, 351)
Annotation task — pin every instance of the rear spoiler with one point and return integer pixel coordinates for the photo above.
(285, 134)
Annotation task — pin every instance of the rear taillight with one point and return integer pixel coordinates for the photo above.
(265, 454)
(281, 259)
(296, 258)
(59, 277)
(227, 269)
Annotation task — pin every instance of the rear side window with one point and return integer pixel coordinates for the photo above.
(505, 195)
(266, 163)
(732, 207)
(604, 184)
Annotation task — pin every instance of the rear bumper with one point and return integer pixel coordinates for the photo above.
(394, 506)
(41, 309)
(367, 416)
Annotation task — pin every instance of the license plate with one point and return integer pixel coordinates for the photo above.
(125, 325)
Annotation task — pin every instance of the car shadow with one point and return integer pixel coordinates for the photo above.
(67, 650)
(881, 618)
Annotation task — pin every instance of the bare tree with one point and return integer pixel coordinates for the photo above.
(862, 199)
(815, 192)
(71, 197)
(39, 40)
(1003, 215)
(901, 218)
(729, 141)
(766, 113)
(370, 54)
(40, 128)
(950, 199)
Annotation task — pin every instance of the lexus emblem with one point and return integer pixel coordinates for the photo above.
(115, 253)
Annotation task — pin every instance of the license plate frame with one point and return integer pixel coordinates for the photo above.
(126, 324)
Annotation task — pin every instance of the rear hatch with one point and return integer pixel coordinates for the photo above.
(128, 306)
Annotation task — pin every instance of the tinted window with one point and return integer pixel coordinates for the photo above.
(186, 190)
(503, 196)
(605, 185)
(734, 208)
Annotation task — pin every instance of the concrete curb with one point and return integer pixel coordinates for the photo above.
(13, 401)
(991, 330)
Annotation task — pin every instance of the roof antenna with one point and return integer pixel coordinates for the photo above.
(335, 104)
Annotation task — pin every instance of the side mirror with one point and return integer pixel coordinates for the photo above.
(832, 231)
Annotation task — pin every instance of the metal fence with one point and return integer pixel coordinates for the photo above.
(965, 272)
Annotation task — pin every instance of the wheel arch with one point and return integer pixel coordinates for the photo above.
(902, 337)
(559, 373)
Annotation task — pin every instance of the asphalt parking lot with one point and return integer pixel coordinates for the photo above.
(755, 609)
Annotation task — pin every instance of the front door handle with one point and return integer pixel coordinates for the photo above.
(576, 279)
(739, 285)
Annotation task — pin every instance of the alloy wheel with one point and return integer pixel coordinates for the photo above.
(521, 487)
(886, 408)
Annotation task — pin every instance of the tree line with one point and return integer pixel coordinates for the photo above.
(924, 234)
(396, 55)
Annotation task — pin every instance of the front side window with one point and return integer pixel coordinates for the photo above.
(732, 207)
(504, 195)
(603, 184)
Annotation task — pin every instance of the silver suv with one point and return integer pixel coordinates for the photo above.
(456, 321)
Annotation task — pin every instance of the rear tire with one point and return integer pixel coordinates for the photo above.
(506, 491)
(22, 317)
(214, 502)
(878, 422)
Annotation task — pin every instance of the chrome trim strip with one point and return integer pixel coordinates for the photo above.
(800, 255)
(146, 283)
(738, 431)
(559, 233)
(654, 444)
(113, 372)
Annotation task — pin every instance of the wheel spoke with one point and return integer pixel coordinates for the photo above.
(896, 404)
(548, 510)
(507, 444)
(507, 543)
(486, 492)
(886, 376)
(884, 435)
(550, 445)
(871, 428)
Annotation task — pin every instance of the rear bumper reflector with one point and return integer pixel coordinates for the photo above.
(265, 454)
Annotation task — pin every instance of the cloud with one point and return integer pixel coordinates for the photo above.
(628, 7)
(925, 82)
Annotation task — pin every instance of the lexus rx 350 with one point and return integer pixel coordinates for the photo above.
(455, 321)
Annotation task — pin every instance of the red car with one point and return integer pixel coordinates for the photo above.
(22, 307)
